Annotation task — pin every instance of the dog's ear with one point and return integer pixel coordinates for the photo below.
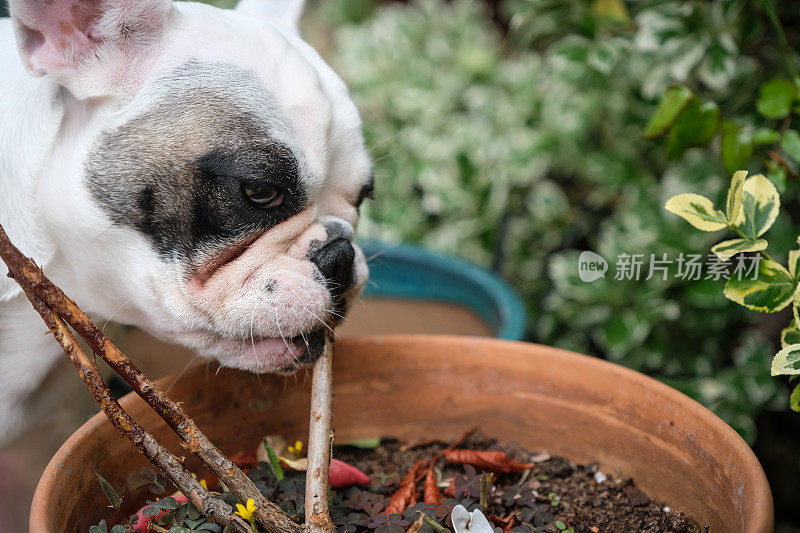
(285, 13)
(89, 46)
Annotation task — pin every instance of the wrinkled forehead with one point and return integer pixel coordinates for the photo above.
(202, 107)
(173, 164)
(256, 66)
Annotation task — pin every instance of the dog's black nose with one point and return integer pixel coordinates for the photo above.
(335, 262)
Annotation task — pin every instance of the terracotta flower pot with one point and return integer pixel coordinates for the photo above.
(421, 387)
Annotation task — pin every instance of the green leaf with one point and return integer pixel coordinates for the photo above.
(790, 335)
(696, 125)
(765, 136)
(675, 100)
(737, 146)
(366, 444)
(796, 307)
(760, 206)
(119, 528)
(794, 257)
(167, 504)
(733, 204)
(787, 361)
(150, 510)
(727, 249)
(99, 528)
(790, 143)
(111, 494)
(274, 461)
(771, 291)
(181, 513)
(794, 399)
(698, 211)
(775, 98)
(179, 529)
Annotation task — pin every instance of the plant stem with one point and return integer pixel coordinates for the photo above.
(739, 232)
(53, 300)
(172, 467)
(320, 440)
(786, 50)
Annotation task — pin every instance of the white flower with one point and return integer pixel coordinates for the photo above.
(463, 522)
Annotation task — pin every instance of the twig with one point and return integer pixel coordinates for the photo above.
(320, 440)
(172, 467)
(778, 158)
(35, 283)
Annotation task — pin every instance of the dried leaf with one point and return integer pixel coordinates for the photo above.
(416, 525)
(432, 494)
(495, 461)
(406, 495)
(245, 460)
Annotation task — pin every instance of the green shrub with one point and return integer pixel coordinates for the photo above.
(518, 151)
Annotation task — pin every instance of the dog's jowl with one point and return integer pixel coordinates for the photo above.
(193, 171)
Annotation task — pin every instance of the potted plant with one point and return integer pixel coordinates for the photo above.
(426, 387)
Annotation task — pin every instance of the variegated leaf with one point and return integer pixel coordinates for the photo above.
(727, 249)
(796, 306)
(760, 206)
(794, 257)
(790, 335)
(733, 205)
(794, 398)
(787, 361)
(698, 211)
(771, 291)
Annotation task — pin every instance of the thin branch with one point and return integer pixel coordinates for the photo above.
(320, 440)
(172, 467)
(34, 282)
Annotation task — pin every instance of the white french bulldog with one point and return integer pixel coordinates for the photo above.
(193, 171)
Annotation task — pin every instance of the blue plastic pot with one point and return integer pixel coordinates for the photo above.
(411, 272)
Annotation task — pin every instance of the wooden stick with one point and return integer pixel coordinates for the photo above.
(33, 281)
(320, 440)
(172, 467)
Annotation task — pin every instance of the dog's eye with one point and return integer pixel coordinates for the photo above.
(263, 195)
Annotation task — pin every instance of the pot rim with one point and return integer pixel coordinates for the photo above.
(764, 513)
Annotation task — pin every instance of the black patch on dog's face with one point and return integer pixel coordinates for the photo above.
(176, 172)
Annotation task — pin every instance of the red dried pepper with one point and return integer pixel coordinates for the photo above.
(406, 495)
(432, 494)
(496, 461)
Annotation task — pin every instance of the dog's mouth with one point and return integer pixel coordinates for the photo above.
(312, 345)
(281, 355)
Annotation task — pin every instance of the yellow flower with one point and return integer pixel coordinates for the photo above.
(204, 484)
(246, 512)
(297, 449)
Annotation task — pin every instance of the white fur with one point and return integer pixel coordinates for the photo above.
(46, 132)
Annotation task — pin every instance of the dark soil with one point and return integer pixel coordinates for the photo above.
(553, 496)
(569, 491)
